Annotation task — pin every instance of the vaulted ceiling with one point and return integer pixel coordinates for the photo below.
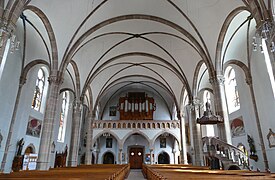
(112, 46)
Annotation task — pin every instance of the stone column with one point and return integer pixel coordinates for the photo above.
(6, 31)
(174, 154)
(89, 144)
(196, 131)
(43, 161)
(151, 156)
(183, 151)
(75, 135)
(221, 108)
(258, 122)
(120, 156)
(12, 122)
(5, 34)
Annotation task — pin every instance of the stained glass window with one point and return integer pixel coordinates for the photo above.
(63, 118)
(39, 88)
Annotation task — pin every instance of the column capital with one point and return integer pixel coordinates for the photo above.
(196, 101)
(219, 79)
(6, 27)
(77, 105)
(54, 79)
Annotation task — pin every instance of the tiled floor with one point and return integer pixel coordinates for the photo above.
(135, 174)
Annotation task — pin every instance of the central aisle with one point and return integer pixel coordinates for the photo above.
(135, 174)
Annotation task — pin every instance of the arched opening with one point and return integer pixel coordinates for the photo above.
(108, 158)
(163, 158)
(29, 150)
(30, 158)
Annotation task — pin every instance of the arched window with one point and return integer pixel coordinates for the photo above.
(232, 93)
(63, 117)
(39, 88)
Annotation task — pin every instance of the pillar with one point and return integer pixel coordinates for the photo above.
(75, 135)
(183, 151)
(174, 154)
(89, 144)
(43, 162)
(151, 156)
(5, 34)
(196, 131)
(120, 156)
(221, 108)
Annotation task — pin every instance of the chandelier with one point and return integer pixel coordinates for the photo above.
(265, 31)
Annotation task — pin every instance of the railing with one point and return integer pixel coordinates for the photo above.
(136, 124)
(217, 148)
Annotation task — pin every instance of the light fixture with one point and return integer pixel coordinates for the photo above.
(265, 31)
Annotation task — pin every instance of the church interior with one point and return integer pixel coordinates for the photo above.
(137, 85)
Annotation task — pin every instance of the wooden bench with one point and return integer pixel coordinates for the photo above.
(177, 172)
(98, 172)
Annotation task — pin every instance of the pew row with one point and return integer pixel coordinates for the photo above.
(179, 172)
(97, 172)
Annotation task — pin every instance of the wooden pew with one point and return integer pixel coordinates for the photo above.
(177, 172)
(98, 172)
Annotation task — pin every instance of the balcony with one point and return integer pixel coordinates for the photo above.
(136, 124)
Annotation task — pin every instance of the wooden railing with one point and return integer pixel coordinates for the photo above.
(137, 124)
(217, 148)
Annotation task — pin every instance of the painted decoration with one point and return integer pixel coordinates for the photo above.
(34, 127)
(237, 127)
(109, 142)
(112, 111)
(162, 142)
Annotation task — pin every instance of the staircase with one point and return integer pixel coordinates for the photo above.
(226, 155)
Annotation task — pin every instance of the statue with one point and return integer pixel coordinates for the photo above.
(253, 151)
(20, 145)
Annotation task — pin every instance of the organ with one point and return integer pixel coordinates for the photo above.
(136, 106)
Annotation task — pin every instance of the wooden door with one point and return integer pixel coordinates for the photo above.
(136, 158)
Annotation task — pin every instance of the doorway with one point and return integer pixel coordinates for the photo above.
(108, 158)
(136, 158)
(163, 158)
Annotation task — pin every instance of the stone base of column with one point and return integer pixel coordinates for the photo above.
(43, 166)
(72, 163)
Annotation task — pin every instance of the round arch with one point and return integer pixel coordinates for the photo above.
(222, 35)
(106, 131)
(30, 149)
(108, 157)
(162, 132)
(163, 158)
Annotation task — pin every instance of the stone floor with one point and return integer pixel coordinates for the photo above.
(135, 174)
